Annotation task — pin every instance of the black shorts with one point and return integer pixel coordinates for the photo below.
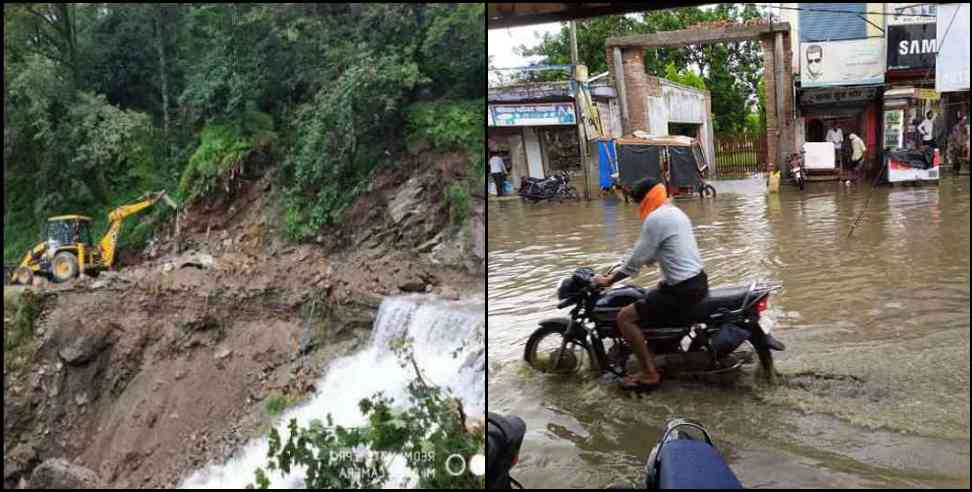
(669, 303)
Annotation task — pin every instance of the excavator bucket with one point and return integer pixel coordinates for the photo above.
(169, 201)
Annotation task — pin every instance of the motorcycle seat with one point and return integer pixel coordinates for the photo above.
(729, 297)
(688, 464)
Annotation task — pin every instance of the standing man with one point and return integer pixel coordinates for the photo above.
(958, 141)
(836, 137)
(858, 149)
(941, 132)
(927, 131)
(497, 169)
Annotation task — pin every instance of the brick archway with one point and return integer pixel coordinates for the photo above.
(626, 63)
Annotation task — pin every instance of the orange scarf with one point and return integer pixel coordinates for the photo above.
(654, 199)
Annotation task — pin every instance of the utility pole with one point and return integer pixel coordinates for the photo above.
(581, 137)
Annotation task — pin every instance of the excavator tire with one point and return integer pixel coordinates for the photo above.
(64, 267)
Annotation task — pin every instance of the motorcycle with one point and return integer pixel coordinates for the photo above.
(798, 169)
(557, 186)
(702, 340)
(683, 458)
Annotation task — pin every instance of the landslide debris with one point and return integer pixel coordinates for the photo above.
(141, 375)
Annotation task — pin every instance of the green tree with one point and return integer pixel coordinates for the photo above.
(684, 77)
(730, 71)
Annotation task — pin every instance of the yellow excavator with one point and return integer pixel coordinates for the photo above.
(67, 249)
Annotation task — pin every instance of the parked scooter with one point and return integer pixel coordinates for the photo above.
(798, 169)
(683, 458)
(703, 339)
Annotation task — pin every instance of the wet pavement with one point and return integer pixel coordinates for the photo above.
(876, 373)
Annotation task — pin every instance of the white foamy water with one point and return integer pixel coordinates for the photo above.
(438, 328)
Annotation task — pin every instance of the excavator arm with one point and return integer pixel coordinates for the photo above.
(109, 241)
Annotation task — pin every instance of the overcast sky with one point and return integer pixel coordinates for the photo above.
(502, 41)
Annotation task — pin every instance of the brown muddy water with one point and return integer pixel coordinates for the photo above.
(876, 327)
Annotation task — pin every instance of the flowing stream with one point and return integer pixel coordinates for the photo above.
(448, 348)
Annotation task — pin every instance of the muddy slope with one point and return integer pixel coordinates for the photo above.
(142, 375)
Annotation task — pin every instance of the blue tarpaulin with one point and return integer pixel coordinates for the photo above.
(608, 162)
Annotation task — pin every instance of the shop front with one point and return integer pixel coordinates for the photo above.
(910, 96)
(855, 109)
(532, 137)
(952, 76)
(841, 84)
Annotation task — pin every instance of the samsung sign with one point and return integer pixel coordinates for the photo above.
(911, 46)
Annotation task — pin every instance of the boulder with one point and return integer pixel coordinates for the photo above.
(61, 474)
(86, 345)
(413, 286)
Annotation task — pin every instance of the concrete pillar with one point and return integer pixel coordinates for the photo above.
(772, 121)
(635, 82)
(788, 124)
(617, 72)
(782, 90)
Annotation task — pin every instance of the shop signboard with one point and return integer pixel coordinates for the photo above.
(837, 95)
(952, 64)
(893, 129)
(927, 94)
(900, 14)
(852, 62)
(912, 46)
(545, 114)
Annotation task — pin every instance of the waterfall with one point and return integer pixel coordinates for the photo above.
(438, 329)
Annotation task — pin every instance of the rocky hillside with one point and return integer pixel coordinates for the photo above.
(136, 377)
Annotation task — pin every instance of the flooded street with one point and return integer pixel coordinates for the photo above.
(876, 328)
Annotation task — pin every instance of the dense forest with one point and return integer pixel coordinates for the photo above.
(104, 102)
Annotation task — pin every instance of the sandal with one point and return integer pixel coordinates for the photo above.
(640, 387)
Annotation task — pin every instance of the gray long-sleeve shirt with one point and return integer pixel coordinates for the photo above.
(666, 238)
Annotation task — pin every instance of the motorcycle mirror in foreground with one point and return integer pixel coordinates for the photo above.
(685, 458)
(504, 437)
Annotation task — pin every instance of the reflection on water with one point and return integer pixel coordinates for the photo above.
(877, 326)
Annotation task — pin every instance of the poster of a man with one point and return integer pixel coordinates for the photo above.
(815, 61)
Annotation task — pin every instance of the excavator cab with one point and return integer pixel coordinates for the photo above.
(68, 241)
(67, 229)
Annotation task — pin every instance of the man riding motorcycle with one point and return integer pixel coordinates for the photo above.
(667, 239)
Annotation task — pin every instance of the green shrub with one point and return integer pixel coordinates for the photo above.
(222, 146)
(277, 403)
(457, 200)
(29, 306)
(448, 124)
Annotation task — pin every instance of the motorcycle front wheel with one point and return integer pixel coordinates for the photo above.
(547, 352)
(707, 191)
